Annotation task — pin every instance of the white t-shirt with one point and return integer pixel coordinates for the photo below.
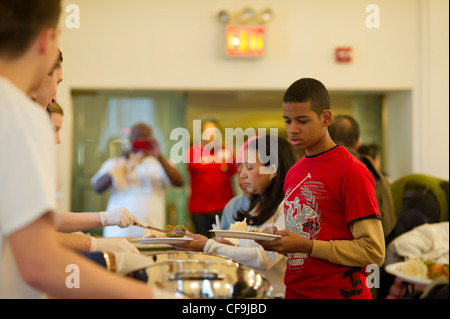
(144, 197)
(27, 177)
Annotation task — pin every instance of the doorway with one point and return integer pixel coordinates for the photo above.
(103, 118)
(102, 122)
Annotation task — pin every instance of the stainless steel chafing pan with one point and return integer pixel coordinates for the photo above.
(190, 255)
(207, 279)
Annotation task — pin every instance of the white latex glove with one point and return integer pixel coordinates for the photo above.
(113, 245)
(126, 263)
(118, 217)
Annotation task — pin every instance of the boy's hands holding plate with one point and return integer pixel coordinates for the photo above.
(290, 242)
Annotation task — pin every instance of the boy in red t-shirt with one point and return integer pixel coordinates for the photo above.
(333, 226)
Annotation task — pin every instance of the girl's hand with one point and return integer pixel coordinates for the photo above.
(193, 245)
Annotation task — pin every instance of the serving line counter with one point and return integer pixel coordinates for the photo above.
(200, 275)
(151, 249)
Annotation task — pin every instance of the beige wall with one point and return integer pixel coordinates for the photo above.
(178, 45)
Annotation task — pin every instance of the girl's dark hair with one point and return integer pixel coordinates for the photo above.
(369, 150)
(272, 196)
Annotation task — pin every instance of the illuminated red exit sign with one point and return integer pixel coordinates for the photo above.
(245, 41)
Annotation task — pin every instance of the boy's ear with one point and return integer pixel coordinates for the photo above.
(327, 117)
(47, 40)
(43, 40)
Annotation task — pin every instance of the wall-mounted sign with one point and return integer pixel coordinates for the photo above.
(344, 54)
(245, 41)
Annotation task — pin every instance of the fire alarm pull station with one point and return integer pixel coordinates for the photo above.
(344, 54)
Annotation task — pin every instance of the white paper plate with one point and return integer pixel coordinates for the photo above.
(396, 270)
(244, 235)
(165, 240)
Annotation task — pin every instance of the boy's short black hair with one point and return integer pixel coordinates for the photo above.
(308, 90)
(22, 20)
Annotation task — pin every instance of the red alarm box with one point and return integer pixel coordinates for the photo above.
(344, 54)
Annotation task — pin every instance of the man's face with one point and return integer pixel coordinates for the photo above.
(210, 133)
(141, 133)
(47, 46)
(57, 120)
(46, 94)
(304, 128)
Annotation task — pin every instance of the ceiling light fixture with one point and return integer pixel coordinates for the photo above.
(223, 16)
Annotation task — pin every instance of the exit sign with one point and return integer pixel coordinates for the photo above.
(245, 41)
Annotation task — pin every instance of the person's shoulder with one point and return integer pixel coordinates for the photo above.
(347, 160)
(6, 88)
(110, 162)
(193, 153)
(347, 163)
(236, 199)
(227, 154)
(195, 147)
(232, 201)
(368, 162)
(355, 170)
(15, 103)
(295, 167)
(299, 162)
(27, 120)
(343, 153)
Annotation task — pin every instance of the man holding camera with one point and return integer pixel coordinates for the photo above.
(138, 180)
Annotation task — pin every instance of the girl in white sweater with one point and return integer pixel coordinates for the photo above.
(263, 175)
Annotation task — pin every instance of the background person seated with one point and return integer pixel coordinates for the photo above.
(428, 241)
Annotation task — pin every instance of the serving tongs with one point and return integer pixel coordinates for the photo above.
(176, 232)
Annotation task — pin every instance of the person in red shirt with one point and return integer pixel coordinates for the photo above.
(211, 167)
(333, 226)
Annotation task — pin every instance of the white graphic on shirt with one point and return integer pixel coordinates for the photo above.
(303, 214)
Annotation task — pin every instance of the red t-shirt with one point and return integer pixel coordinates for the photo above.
(211, 174)
(323, 195)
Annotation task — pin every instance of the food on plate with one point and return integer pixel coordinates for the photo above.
(428, 269)
(239, 226)
(154, 234)
(415, 268)
(436, 270)
(157, 234)
(176, 231)
(170, 227)
(242, 226)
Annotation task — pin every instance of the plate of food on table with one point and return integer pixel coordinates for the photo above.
(418, 271)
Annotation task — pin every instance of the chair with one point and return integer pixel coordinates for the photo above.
(432, 189)
(418, 199)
